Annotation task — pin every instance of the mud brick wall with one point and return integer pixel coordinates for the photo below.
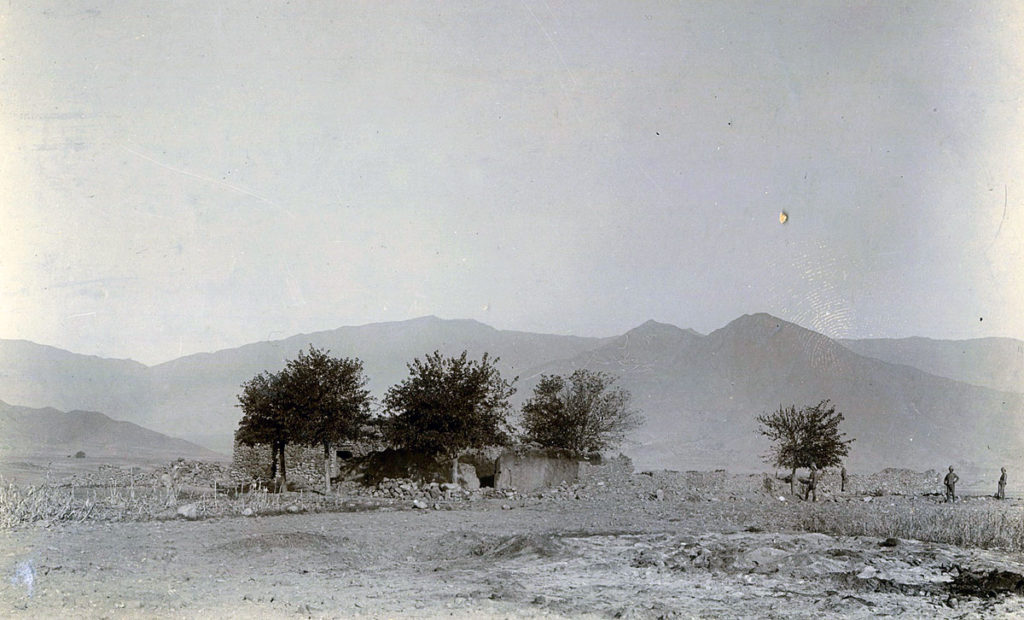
(529, 472)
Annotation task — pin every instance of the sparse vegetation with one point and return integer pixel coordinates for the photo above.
(21, 504)
(985, 526)
(584, 412)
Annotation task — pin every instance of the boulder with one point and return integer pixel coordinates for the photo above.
(468, 478)
(761, 560)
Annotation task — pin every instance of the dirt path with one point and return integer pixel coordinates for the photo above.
(550, 559)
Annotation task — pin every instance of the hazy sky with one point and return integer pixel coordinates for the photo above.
(189, 176)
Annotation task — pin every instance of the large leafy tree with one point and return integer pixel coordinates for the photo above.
(264, 418)
(327, 398)
(585, 412)
(803, 437)
(317, 400)
(448, 404)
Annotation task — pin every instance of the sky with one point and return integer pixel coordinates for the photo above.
(191, 176)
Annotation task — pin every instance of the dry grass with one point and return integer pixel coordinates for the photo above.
(20, 504)
(989, 525)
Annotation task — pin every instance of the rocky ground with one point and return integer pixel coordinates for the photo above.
(616, 544)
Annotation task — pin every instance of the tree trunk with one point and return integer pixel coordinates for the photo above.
(455, 469)
(792, 481)
(273, 460)
(284, 470)
(327, 467)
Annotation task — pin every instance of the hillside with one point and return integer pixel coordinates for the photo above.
(996, 363)
(48, 432)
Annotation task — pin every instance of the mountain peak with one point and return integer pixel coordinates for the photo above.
(759, 322)
(654, 328)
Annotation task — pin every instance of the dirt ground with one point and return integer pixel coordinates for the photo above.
(587, 558)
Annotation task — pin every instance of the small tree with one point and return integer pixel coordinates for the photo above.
(448, 404)
(800, 438)
(327, 399)
(584, 413)
(264, 418)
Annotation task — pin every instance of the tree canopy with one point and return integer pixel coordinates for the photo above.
(316, 400)
(583, 413)
(804, 437)
(448, 404)
(327, 396)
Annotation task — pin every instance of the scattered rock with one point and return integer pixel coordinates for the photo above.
(889, 542)
(292, 508)
(188, 511)
(419, 504)
(247, 512)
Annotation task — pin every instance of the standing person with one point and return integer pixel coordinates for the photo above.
(1001, 493)
(812, 484)
(950, 482)
(842, 479)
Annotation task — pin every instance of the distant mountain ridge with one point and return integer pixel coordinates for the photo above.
(31, 432)
(996, 363)
(700, 393)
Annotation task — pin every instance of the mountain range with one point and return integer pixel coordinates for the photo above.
(905, 403)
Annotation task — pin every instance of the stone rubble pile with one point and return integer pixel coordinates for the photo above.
(406, 489)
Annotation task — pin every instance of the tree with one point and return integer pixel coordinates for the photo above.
(328, 400)
(448, 404)
(316, 400)
(808, 436)
(264, 418)
(584, 413)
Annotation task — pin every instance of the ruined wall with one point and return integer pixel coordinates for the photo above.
(531, 471)
(303, 463)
